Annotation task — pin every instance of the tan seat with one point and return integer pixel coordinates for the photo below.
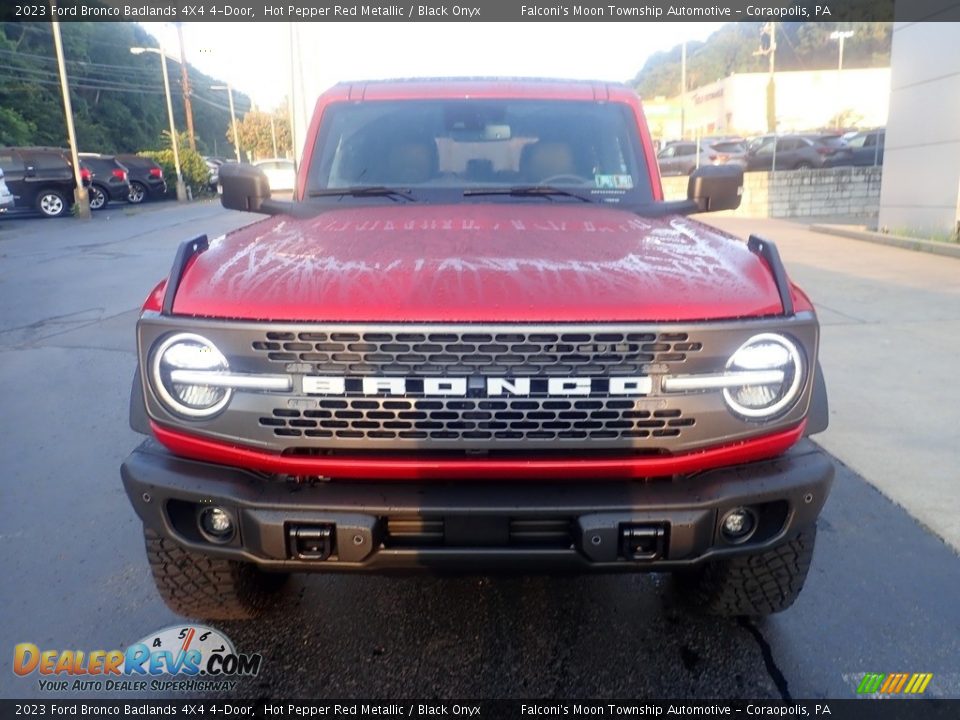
(545, 159)
(411, 161)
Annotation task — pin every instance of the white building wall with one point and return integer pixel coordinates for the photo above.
(806, 100)
(920, 192)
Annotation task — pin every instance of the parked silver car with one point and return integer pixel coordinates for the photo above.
(680, 158)
(6, 197)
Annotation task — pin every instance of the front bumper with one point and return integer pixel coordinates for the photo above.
(660, 524)
(118, 191)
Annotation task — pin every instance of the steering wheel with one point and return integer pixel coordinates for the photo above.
(569, 177)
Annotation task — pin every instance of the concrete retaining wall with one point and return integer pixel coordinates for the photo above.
(853, 192)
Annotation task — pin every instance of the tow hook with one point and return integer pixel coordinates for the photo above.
(642, 543)
(310, 542)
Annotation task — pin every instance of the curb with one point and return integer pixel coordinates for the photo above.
(899, 241)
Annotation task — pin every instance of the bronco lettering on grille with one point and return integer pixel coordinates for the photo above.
(476, 386)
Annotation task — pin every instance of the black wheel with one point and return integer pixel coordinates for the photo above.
(803, 165)
(208, 588)
(752, 585)
(138, 193)
(52, 203)
(98, 197)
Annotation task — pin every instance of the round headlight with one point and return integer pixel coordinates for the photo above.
(187, 351)
(778, 367)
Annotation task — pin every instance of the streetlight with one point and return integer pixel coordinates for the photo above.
(840, 36)
(181, 188)
(233, 116)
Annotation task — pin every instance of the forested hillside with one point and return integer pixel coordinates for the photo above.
(118, 99)
(800, 46)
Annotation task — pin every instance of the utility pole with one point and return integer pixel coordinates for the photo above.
(80, 196)
(273, 135)
(771, 85)
(683, 90)
(768, 47)
(840, 36)
(290, 109)
(174, 140)
(185, 87)
(233, 117)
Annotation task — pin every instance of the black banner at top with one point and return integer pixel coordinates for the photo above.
(405, 709)
(481, 10)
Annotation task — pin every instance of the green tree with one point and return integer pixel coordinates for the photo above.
(193, 168)
(14, 130)
(257, 136)
(118, 98)
(800, 46)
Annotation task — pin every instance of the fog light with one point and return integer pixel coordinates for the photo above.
(216, 523)
(738, 524)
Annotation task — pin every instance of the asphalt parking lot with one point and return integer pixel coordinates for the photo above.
(882, 595)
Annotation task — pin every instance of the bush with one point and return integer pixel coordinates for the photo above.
(195, 173)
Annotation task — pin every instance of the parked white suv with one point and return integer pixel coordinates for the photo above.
(6, 197)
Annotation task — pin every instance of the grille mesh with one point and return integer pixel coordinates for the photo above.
(538, 419)
(515, 354)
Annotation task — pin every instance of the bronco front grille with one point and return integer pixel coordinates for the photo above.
(449, 353)
(538, 419)
(397, 411)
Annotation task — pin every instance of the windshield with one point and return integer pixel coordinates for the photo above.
(448, 150)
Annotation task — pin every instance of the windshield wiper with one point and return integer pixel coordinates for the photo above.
(546, 191)
(364, 191)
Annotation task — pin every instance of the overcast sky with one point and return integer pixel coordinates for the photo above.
(254, 57)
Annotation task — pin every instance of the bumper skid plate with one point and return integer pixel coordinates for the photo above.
(659, 524)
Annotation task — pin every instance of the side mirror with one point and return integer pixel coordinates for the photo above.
(715, 187)
(245, 187)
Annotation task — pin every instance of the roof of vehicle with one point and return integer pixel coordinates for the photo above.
(37, 149)
(438, 87)
(138, 159)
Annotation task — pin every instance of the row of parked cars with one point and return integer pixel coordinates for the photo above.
(769, 152)
(41, 178)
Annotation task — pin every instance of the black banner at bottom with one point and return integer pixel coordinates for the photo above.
(848, 709)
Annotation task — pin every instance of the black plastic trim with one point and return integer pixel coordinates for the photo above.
(768, 251)
(139, 420)
(187, 249)
(818, 416)
(688, 506)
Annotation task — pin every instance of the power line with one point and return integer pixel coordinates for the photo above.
(79, 86)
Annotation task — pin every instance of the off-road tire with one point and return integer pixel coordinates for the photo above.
(752, 585)
(208, 588)
(52, 203)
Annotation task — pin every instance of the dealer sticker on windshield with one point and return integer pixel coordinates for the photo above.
(623, 182)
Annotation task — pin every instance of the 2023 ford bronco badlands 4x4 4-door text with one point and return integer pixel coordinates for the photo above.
(478, 338)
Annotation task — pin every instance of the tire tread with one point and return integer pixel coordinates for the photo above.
(755, 585)
(205, 587)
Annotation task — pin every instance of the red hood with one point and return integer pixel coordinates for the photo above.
(494, 262)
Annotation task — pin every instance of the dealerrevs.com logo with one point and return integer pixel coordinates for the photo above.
(186, 658)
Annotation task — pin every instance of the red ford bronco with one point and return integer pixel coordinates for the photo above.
(478, 338)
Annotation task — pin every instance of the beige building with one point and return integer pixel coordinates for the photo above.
(737, 104)
(920, 190)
